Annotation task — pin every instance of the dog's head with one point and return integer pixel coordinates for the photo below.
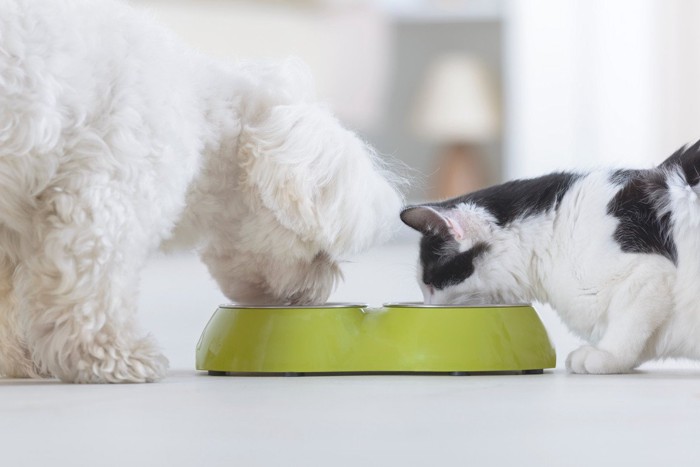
(308, 193)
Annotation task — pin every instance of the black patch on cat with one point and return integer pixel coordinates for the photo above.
(640, 229)
(688, 160)
(622, 176)
(443, 264)
(519, 198)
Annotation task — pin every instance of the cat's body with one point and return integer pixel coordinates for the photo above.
(616, 253)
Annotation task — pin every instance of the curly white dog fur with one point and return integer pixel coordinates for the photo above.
(115, 138)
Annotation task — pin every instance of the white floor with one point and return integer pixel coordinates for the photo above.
(650, 418)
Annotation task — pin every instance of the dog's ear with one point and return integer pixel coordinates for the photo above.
(265, 85)
(318, 179)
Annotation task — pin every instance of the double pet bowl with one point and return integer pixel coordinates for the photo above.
(397, 338)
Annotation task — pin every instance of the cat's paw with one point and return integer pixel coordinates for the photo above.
(591, 360)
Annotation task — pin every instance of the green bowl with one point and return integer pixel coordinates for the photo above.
(397, 338)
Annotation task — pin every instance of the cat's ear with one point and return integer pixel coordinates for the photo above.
(428, 220)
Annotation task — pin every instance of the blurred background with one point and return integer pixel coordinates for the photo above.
(503, 88)
(466, 93)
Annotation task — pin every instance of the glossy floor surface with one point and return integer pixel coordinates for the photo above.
(651, 417)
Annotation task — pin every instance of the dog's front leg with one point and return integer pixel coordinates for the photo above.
(15, 358)
(79, 289)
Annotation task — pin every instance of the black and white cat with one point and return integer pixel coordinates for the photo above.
(616, 253)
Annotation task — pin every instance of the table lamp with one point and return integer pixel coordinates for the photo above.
(457, 109)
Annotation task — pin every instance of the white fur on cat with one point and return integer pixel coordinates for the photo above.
(630, 307)
(115, 137)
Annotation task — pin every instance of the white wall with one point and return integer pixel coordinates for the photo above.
(586, 84)
(345, 45)
(678, 49)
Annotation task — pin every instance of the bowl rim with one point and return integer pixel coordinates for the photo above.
(344, 305)
(423, 305)
(236, 306)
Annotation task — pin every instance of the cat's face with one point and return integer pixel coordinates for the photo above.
(456, 263)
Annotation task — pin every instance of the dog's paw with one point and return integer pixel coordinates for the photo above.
(591, 360)
(21, 367)
(139, 363)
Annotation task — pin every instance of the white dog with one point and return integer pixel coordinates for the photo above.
(115, 138)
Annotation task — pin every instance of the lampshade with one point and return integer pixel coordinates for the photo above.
(457, 103)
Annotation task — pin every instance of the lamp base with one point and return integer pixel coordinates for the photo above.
(461, 170)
